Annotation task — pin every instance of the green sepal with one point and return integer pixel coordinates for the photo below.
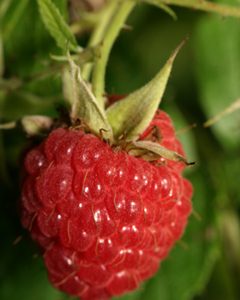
(132, 115)
(84, 105)
(160, 151)
(56, 26)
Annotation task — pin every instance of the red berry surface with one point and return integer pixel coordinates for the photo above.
(104, 219)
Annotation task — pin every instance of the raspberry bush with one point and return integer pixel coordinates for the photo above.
(103, 206)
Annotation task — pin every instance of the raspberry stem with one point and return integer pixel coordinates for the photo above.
(98, 34)
(224, 10)
(121, 12)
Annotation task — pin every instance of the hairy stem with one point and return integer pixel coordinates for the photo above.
(223, 10)
(98, 33)
(122, 10)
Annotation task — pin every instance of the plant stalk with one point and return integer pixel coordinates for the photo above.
(98, 34)
(223, 10)
(121, 12)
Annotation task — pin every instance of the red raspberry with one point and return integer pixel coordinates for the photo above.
(104, 219)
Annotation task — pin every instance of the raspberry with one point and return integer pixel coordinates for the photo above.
(104, 219)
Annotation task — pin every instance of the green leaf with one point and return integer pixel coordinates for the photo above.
(185, 134)
(131, 296)
(16, 105)
(4, 176)
(19, 47)
(218, 72)
(1, 57)
(231, 167)
(29, 280)
(18, 12)
(84, 105)
(4, 5)
(131, 116)
(57, 26)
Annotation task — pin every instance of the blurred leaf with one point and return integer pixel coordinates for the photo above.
(131, 296)
(218, 70)
(27, 53)
(185, 133)
(4, 176)
(220, 286)
(18, 104)
(186, 271)
(231, 167)
(16, 16)
(1, 57)
(27, 281)
(57, 26)
(4, 5)
(151, 41)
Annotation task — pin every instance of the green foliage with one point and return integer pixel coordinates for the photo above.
(57, 26)
(28, 280)
(218, 71)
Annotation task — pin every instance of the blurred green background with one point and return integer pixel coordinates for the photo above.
(205, 80)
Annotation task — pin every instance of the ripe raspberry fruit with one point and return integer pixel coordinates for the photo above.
(104, 219)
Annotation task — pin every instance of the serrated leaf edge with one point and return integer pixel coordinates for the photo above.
(56, 25)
